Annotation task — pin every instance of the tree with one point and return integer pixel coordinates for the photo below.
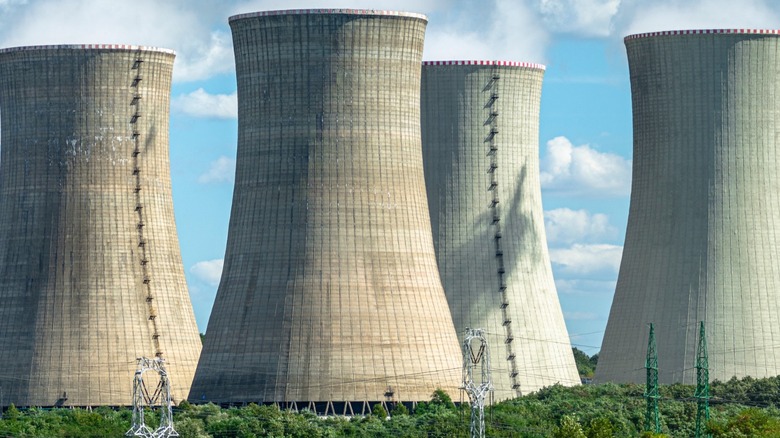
(379, 411)
(569, 428)
(441, 398)
(584, 364)
(599, 428)
(400, 409)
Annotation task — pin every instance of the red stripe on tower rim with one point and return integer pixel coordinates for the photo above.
(702, 32)
(366, 12)
(531, 65)
(117, 47)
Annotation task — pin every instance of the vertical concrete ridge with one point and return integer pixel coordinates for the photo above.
(704, 222)
(84, 145)
(480, 130)
(330, 291)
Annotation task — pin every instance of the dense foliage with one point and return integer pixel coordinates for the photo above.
(739, 408)
(586, 365)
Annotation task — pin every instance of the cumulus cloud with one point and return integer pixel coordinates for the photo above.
(223, 169)
(208, 271)
(637, 16)
(187, 26)
(584, 286)
(581, 170)
(564, 225)
(583, 17)
(495, 29)
(587, 258)
(199, 103)
(426, 6)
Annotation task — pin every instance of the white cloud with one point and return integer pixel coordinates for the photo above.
(581, 170)
(564, 225)
(496, 29)
(637, 16)
(209, 271)
(223, 169)
(584, 286)
(425, 6)
(199, 103)
(490, 29)
(587, 258)
(186, 26)
(584, 17)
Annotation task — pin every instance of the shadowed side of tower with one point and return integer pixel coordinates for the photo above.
(330, 290)
(703, 235)
(90, 268)
(480, 130)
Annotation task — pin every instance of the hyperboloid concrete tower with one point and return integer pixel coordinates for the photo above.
(90, 270)
(703, 237)
(330, 296)
(480, 130)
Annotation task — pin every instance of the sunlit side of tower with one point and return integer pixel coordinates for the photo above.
(330, 292)
(91, 275)
(480, 129)
(703, 237)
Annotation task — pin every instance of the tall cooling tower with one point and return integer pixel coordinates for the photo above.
(480, 130)
(703, 237)
(330, 291)
(90, 270)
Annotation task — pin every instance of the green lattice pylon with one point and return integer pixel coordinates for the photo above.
(652, 422)
(702, 393)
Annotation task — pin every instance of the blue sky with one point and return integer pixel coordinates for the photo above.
(585, 134)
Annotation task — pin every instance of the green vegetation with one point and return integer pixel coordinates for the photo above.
(586, 365)
(739, 408)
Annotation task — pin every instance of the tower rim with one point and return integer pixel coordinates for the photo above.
(89, 47)
(329, 11)
(733, 31)
(485, 62)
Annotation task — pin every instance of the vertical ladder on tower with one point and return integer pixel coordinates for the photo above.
(491, 89)
(143, 245)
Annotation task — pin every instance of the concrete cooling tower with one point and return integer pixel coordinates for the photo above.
(330, 296)
(480, 130)
(90, 270)
(703, 237)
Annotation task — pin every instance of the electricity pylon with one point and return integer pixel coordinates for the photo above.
(652, 422)
(702, 393)
(479, 388)
(142, 399)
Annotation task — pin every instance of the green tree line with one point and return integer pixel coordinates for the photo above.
(739, 408)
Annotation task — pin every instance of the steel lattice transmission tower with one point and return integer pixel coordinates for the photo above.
(143, 399)
(476, 361)
(651, 388)
(702, 393)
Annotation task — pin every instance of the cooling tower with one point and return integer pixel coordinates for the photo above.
(480, 130)
(90, 270)
(704, 223)
(330, 291)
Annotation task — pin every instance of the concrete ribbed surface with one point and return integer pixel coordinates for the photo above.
(76, 309)
(471, 202)
(330, 290)
(704, 223)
